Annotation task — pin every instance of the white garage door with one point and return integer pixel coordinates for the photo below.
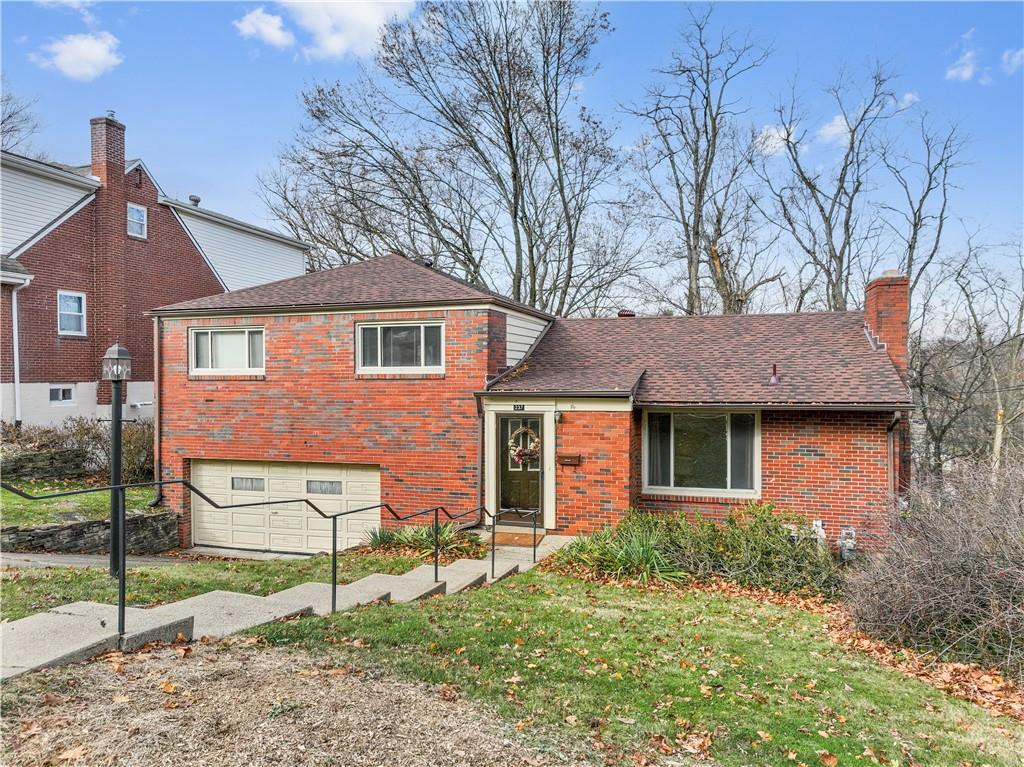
(285, 526)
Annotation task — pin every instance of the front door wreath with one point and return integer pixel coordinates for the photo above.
(521, 453)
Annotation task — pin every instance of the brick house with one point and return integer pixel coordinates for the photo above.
(388, 381)
(87, 250)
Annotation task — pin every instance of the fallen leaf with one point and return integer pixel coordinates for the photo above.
(827, 759)
(168, 687)
(122, 698)
(73, 754)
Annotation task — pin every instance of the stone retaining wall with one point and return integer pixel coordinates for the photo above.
(65, 463)
(146, 534)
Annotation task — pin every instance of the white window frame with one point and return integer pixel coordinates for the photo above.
(85, 327)
(62, 402)
(145, 221)
(414, 369)
(704, 492)
(248, 371)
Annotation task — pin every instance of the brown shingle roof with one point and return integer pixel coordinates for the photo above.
(387, 281)
(823, 359)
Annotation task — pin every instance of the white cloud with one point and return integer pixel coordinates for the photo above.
(964, 68)
(1012, 60)
(772, 139)
(81, 57)
(341, 29)
(907, 100)
(835, 131)
(266, 27)
(78, 6)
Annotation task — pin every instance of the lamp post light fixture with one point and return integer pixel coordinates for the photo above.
(117, 368)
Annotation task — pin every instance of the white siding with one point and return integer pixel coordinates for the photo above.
(243, 259)
(29, 202)
(521, 331)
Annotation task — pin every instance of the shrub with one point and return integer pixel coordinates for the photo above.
(419, 539)
(756, 547)
(951, 579)
(93, 438)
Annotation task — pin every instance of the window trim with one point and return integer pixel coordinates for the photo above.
(85, 314)
(145, 221)
(194, 371)
(62, 402)
(703, 492)
(406, 369)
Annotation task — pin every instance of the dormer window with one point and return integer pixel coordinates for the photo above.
(137, 221)
(408, 347)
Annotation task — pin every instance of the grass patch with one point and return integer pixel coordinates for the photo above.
(641, 669)
(22, 512)
(27, 591)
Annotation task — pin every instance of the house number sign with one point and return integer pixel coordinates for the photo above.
(519, 407)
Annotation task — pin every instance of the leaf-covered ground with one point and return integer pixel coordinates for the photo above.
(649, 674)
(23, 592)
(21, 512)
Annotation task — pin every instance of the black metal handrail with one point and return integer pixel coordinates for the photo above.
(121, 546)
(532, 513)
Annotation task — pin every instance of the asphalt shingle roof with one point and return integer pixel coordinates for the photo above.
(391, 280)
(823, 359)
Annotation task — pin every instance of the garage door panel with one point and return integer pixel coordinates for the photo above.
(292, 526)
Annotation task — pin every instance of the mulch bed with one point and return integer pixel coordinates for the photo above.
(233, 704)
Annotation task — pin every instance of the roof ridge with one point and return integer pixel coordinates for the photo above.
(818, 313)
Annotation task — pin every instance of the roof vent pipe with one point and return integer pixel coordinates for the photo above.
(194, 199)
(428, 261)
(774, 380)
(627, 313)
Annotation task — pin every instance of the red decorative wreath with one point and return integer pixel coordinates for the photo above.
(527, 453)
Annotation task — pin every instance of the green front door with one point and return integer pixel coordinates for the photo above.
(519, 486)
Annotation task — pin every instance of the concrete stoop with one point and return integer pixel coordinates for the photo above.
(81, 630)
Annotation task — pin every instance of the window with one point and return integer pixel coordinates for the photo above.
(137, 220)
(702, 453)
(227, 350)
(70, 313)
(247, 484)
(410, 348)
(62, 394)
(323, 487)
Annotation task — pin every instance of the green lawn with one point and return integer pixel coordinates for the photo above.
(27, 591)
(22, 512)
(627, 666)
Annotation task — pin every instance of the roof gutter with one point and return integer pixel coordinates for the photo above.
(616, 394)
(249, 311)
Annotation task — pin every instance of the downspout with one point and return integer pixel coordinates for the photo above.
(16, 350)
(890, 435)
(156, 413)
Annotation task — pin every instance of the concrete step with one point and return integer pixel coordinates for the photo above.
(502, 568)
(219, 613)
(319, 596)
(403, 588)
(455, 580)
(140, 626)
(50, 639)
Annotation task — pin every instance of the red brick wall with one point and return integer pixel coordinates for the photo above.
(122, 278)
(824, 465)
(6, 339)
(595, 493)
(423, 431)
(827, 465)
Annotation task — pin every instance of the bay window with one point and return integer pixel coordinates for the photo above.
(400, 348)
(219, 351)
(701, 453)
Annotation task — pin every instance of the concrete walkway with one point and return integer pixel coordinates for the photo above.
(80, 630)
(32, 559)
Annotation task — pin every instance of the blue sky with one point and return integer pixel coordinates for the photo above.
(209, 91)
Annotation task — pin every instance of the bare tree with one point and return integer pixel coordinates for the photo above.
(467, 144)
(694, 164)
(18, 122)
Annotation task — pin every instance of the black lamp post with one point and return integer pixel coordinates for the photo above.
(117, 368)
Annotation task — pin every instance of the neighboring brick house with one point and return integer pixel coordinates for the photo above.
(388, 381)
(87, 250)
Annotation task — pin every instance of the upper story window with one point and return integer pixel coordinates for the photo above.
(416, 347)
(137, 220)
(226, 351)
(70, 313)
(702, 453)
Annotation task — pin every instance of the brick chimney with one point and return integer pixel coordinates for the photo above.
(887, 315)
(110, 316)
